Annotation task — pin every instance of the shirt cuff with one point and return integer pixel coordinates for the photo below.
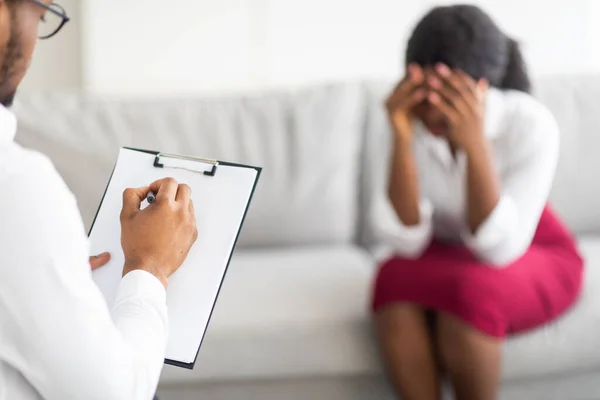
(141, 284)
(408, 241)
(494, 230)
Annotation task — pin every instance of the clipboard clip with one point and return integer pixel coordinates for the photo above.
(180, 162)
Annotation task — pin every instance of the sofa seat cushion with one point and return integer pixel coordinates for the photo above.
(572, 343)
(289, 312)
(304, 312)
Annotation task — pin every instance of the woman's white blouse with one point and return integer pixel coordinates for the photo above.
(525, 142)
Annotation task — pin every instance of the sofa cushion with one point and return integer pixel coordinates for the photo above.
(303, 312)
(570, 344)
(309, 144)
(289, 312)
(574, 103)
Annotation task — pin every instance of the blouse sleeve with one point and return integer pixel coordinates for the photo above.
(394, 237)
(526, 184)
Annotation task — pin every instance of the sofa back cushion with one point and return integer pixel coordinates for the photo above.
(575, 103)
(308, 143)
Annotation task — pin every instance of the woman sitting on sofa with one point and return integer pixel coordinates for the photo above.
(477, 255)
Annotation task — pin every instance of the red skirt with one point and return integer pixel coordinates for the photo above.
(532, 291)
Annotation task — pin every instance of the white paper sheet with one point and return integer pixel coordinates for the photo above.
(220, 203)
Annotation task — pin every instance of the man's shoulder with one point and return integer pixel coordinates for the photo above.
(33, 191)
(41, 227)
(24, 171)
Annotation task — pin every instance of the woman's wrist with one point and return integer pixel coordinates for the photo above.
(477, 146)
(403, 141)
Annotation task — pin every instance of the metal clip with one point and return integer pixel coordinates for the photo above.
(211, 172)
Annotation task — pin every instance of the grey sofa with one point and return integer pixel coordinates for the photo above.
(292, 321)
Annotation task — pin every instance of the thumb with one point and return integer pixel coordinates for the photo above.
(132, 200)
(99, 260)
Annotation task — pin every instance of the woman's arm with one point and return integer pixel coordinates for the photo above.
(403, 187)
(400, 218)
(502, 218)
(483, 186)
(507, 230)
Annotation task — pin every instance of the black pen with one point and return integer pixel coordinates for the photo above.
(151, 197)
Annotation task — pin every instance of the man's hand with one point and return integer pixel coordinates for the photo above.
(158, 238)
(99, 261)
(409, 93)
(462, 101)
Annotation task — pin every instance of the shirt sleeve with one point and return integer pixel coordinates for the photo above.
(57, 330)
(526, 183)
(393, 236)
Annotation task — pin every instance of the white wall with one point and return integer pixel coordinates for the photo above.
(216, 46)
(57, 63)
(199, 46)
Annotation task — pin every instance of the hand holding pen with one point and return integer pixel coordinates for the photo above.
(157, 239)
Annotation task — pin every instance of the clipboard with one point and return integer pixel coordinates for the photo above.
(222, 193)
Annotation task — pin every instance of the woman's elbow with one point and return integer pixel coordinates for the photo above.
(413, 249)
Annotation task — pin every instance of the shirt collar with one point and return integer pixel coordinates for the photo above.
(8, 125)
(494, 112)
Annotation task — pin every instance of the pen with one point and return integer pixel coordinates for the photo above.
(151, 198)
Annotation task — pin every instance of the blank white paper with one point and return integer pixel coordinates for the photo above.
(220, 203)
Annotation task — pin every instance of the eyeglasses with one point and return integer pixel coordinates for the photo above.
(53, 21)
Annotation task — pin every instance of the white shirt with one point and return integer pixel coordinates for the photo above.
(525, 141)
(58, 339)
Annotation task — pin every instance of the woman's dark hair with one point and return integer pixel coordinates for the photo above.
(465, 37)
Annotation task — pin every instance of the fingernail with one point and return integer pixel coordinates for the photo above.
(434, 97)
(443, 70)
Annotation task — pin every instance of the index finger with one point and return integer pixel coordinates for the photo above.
(457, 79)
(132, 200)
(466, 79)
(165, 189)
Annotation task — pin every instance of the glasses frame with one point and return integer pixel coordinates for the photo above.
(60, 13)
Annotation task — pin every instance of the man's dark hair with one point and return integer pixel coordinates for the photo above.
(465, 37)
